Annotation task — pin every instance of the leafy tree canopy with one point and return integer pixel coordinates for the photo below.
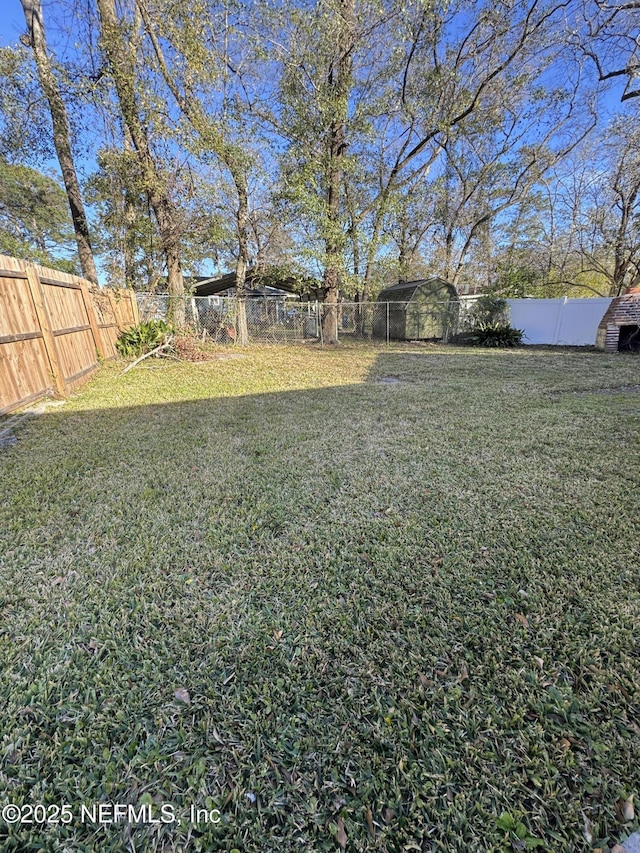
(34, 217)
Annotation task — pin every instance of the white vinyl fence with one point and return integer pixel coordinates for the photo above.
(563, 322)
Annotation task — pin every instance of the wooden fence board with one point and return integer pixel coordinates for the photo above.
(54, 327)
(90, 312)
(36, 293)
(24, 373)
(77, 353)
(108, 323)
(17, 315)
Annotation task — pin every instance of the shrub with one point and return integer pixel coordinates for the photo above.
(488, 310)
(486, 324)
(142, 338)
(495, 335)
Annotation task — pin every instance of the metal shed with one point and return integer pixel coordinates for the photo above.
(417, 310)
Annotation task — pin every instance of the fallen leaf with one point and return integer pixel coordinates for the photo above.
(278, 634)
(182, 695)
(538, 662)
(628, 811)
(341, 835)
(424, 680)
(464, 673)
(389, 815)
(522, 619)
(369, 818)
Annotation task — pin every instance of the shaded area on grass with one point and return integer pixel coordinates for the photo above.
(404, 609)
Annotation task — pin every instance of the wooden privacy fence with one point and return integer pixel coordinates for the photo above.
(54, 330)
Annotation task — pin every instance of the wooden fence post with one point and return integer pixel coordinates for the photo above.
(135, 315)
(91, 316)
(37, 294)
(114, 307)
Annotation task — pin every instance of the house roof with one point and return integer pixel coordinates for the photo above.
(212, 286)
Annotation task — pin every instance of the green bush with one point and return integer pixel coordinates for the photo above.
(488, 310)
(142, 338)
(495, 335)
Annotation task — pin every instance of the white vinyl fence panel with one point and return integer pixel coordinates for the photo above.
(564, 322)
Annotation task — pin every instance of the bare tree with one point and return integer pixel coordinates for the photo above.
(611, 40)
(604, 200)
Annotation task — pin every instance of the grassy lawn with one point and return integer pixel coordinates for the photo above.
(395, 615)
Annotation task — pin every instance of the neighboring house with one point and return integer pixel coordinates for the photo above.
(267, 306)
(417, 310)
(225, 285)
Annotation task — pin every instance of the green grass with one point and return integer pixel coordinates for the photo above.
(405, 612)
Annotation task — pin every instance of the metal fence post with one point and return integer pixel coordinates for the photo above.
(387, 324)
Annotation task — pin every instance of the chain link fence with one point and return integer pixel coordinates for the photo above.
(280, 320)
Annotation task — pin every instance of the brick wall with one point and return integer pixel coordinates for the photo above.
(623, 311)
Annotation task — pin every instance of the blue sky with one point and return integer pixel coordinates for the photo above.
(12, 26)
(12, 23)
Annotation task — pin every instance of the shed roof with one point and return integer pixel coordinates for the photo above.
(404, 290)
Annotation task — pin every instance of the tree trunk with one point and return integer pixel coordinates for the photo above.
(339, 82)
(405, 261)
(331, 286)
(333, 247)
(61, 136)
(168, 227)
(129, 216)
(448, 256)
(129, 241)
(242, 260)
(122, 67)
(621, 260)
